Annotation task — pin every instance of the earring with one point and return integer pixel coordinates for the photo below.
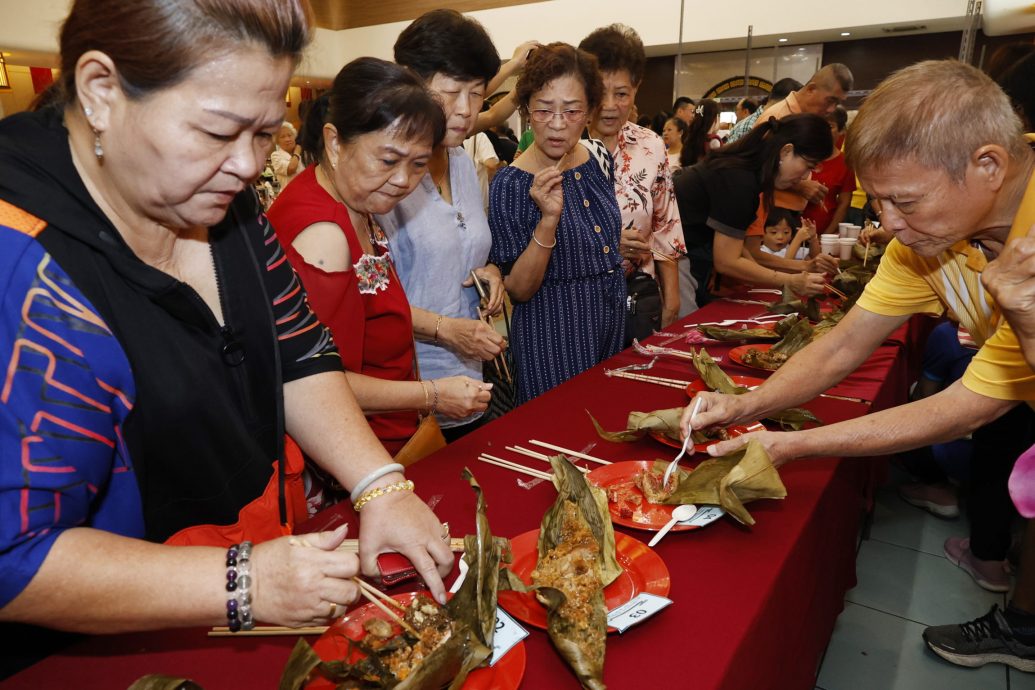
(89, 111)
(97, 149)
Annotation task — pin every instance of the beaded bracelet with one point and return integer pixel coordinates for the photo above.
(369, 496)
(238, 587)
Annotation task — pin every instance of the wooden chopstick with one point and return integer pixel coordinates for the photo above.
(573, 453)
(866, 254)
(267, 631)
(363, 584)
(657, 380)
(831, 288)
(376, 601)
(539, 456)
(514, 467)
(456, 545)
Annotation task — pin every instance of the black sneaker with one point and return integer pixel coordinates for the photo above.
(984, 640)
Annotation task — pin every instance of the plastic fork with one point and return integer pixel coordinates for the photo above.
(686, 443)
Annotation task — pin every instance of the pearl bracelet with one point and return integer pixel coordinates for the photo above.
(238, 587)
(369, 496)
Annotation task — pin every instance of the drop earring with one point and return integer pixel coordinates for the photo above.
(98, 150)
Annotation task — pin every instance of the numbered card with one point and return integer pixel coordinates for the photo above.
(508, 633)
(639, 609)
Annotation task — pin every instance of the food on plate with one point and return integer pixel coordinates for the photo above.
(799, 335)
(450, 641)
(720, 333)
(789, 303)
(576, 560)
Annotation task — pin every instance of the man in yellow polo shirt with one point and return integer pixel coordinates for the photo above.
(940, 150)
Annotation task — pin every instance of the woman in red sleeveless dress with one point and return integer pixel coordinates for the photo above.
(369, 140)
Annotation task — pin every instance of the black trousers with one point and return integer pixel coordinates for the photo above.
(996, 449)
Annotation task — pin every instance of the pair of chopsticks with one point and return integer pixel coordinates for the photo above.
(456, 545)
(514, 466)
(671, 383)
(499, 361)
(676, 383)
(833, 290)
(368, 591)
(538, 456)
(531, 471)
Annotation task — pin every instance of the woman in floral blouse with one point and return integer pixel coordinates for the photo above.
(651, 231)
(370, 138)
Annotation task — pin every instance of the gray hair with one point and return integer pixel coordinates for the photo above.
(288, 125)
(834, 73)
(935, 113)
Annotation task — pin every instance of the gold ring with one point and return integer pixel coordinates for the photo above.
(334, 611)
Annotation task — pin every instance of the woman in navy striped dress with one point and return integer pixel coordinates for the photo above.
(556, 228)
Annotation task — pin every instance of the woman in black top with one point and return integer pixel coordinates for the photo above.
(718, 199)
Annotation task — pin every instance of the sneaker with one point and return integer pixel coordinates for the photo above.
(937, 499)
(989, 575)
(988, 639)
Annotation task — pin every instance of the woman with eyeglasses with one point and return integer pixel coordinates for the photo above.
(556, 228)
(719, 198)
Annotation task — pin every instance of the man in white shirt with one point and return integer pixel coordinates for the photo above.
(481, 151)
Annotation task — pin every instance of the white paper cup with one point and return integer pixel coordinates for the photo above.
(845, 245)
(842, 229)
(828, 244)
(853, 231)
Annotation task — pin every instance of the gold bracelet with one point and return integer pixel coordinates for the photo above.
(438, 323)
(427, 398)
(367, 497)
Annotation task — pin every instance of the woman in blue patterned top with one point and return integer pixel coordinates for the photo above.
(556, 228)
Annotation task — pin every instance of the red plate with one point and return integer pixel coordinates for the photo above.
(334, 644)
(735, 430)
(642, 571)
(698, 385)
(737, 355)
(624, 474)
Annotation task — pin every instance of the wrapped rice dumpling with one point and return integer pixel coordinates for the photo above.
(789, 303)
(661, 422)
(797, 338)
(731, 481)
(727, 334)
(576, 561)
(453, 639)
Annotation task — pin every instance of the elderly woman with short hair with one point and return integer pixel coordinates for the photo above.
(177, 343)
(286, 158)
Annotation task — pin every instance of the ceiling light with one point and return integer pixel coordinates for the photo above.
(783, 40)
(846, 33)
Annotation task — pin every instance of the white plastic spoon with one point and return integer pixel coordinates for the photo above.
(686, 442)
(683, 512)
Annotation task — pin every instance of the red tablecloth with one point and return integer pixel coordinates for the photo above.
(753, 608)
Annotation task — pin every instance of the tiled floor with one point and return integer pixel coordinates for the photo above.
(905, 585)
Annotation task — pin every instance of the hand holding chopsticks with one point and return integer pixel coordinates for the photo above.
(499, 362)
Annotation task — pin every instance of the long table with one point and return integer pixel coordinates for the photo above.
(753, 608)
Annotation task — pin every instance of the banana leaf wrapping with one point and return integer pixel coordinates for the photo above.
(875, 253)
(160, 682)
(797, 338)
(731, 481)
(663, 422)
(793, 418)
(576, 553)
(789, 303)
(472, 615)
(726, 334)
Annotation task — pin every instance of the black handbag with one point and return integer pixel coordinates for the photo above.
(642, 306)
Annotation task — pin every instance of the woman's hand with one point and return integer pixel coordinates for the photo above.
(303, 580)
(490, 274)
(462, 396)
(472, 338)
(521, 55)
(402, 522)
(807, 284)
(876, 235)
(633, 248)
(547, 193)
(824, 263)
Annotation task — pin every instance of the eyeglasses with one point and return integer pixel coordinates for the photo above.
(542, 116)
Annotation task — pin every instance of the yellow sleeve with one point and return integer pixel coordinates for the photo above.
(999, 370)
(899, 287)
